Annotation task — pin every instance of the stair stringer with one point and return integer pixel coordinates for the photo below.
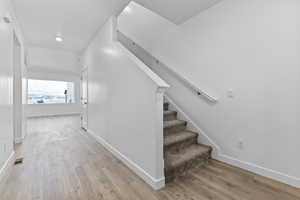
(203, 138)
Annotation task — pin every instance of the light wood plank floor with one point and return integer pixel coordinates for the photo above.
(61, 162)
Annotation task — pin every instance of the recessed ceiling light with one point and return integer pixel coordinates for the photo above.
(58, 39)
(110, 51)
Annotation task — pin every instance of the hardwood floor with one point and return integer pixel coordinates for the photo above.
(61, 162)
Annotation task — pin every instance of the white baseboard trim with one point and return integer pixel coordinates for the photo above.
(18, 140)
(217, 153)
(51, 115)
(269, 173)
(5, 168)
(154, 183)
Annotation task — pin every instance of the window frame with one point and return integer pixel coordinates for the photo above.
(54, 80)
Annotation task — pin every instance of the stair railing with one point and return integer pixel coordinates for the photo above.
(193, 87)
(198, 91)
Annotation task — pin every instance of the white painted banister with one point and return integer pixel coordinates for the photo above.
(127, 103)
(197, 90)
(161, 84)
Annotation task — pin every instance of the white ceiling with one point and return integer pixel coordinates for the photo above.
(177, 11)
(78, 20)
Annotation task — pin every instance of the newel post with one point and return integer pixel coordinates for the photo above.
(160, 136)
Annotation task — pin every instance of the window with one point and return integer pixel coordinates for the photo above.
(50, 92)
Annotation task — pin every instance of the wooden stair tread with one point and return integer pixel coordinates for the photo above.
(188, 154)
(173, 123)
(179, 137)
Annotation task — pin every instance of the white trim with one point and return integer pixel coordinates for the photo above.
(5, 168)
(159, 133)
(84, 70)
(180, 76)
(154, 183)
(218, 155)
(54, 115)
(18, 140)
(114, 22)
(148, 72)
(141, 65)
(203, 137)
(272, 174)
(197, 90)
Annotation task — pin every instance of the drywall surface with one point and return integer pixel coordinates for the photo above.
(52, 60)
(58, 65)
(247, 54)
(19, 77)
(39, 110)
(6, 87)
(124, 107)
(177, 11)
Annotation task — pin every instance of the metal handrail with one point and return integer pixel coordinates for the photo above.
(196, 89)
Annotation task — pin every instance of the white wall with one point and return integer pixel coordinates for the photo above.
(17, 94)
(52, 60)
(251, 48)
(38, 110)
(20, 80)
(53, 64)
(6, 87)
(177, 11)
(6, 84)
(125, 109)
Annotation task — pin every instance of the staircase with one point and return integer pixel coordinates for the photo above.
(181, 149)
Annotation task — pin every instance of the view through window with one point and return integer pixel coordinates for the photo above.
(50, 92)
